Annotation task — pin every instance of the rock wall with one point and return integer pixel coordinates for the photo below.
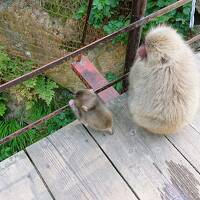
(26, 30)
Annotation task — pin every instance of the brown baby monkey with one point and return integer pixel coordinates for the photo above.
(91, 111)
(164, 82)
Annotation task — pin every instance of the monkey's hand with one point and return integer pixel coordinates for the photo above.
(74, 109)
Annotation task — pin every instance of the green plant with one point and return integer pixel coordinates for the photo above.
(40, 109)
(59, 121)
(179, 19)
(35, 88)
(63, 9)
(110, 76)
(81, 11)
(45, 89)
(38, 96)
(101, 16)
(20, 142)
(115, 25)
(101, 10)
(106, 14)
(37, 110)
(11, 68)
(3, 107)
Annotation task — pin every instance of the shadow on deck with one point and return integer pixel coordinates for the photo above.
(75, 163)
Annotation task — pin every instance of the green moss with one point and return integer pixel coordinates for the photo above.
(63, 9)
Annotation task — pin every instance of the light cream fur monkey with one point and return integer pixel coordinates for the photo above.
(91, 111)
(164, 82)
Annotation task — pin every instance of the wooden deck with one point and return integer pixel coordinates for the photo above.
(75, 163)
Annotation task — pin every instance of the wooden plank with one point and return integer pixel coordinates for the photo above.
(196, 121)
(150, 163)
(187, 141)
(74, 167)
(19, 180)
(92, 78)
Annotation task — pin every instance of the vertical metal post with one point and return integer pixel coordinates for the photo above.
(137, 12)
(89, 8)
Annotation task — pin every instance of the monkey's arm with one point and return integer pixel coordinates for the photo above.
(134, 74)
(75, 110)
(89, 104)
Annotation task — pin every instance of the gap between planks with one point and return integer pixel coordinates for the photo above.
(111, 162)
(155, 144)
(92, 174)
(40, 175)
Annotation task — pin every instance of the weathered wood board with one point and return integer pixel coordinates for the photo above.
(187, 141)
(74, 167)
(20, 181)
(196, 122)
(92, 78)
(150, 163)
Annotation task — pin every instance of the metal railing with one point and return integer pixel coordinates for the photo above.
(54, 63)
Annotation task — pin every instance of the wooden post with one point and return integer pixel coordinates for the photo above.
(89, 8)
(137, 12)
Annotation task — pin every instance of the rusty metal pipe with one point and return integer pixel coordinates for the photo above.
(61, 60)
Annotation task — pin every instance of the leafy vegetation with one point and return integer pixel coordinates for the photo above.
(9, 126)
(115, 25)
(39, 96)
(179, 19)
(63, 9)
(102, 16)
(106, 14)
(35, 97)
(110, 76)
(2, 105)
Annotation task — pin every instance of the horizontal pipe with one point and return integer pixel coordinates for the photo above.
(92, 45)
(32, 125)
(53, 114)
(58, 111)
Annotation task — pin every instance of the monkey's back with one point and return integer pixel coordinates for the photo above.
(164, 99)
(99, 118)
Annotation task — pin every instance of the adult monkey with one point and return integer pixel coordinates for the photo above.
(164, 82)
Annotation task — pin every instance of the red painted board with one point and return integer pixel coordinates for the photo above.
(92, 78)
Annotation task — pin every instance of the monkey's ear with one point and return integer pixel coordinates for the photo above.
(85, 108)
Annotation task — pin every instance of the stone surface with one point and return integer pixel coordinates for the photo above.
(26, 30)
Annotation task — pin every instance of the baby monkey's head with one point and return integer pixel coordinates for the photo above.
(161, 44)
(85, 99)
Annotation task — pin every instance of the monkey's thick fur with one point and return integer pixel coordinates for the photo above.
(164, 86)
(92, 112)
